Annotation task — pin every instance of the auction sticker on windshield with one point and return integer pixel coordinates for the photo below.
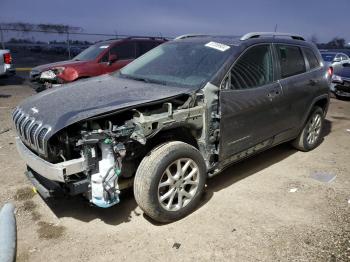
(217, 46)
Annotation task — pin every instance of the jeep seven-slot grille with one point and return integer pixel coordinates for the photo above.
(31, 131)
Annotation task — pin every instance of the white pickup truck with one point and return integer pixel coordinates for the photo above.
(6, 62)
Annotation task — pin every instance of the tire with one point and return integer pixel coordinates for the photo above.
(158, 182)
(311, 134)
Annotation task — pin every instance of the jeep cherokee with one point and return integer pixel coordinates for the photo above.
(180, 113)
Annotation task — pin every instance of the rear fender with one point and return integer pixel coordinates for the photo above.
(317, 100)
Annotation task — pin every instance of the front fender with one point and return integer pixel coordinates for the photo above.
(68, 75)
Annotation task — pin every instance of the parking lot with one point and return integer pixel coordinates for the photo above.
(274, 206)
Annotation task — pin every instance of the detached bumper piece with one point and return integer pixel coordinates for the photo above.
(342, 89)
(51, 189)
(46, 188)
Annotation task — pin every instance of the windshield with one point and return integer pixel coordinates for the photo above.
(178, 63)
(328, 57)
(91, 52)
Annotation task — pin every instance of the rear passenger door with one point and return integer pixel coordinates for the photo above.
(249, 99)
(298, 86)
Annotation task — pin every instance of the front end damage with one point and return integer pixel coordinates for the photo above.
(47, 79)
(99, 156)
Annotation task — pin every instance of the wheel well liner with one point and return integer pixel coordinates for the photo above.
(182, 134)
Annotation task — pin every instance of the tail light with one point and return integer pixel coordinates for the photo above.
(7, 58)
(330, 72)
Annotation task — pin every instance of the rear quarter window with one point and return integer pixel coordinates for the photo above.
(145, 46)
(311, 58)
(124, 50)
(291, 60)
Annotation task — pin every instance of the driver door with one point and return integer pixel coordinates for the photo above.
(249, 102)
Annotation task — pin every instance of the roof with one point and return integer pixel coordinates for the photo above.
(236, 40)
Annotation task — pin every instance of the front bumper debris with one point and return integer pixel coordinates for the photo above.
(341, 89)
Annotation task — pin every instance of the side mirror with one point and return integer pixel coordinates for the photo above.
(112, 58)
(337, 59)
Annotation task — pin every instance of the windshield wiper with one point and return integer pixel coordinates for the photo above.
(143, 79)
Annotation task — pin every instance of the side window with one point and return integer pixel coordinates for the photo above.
(291, 60)
(105, 57)
(254, 68)
(144, 47)
(311, 57)
(344, 57)
(124, 50)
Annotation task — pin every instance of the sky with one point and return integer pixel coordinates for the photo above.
(324, 19)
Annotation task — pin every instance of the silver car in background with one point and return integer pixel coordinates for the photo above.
(335, 60)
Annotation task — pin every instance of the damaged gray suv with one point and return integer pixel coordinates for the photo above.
(180, 113)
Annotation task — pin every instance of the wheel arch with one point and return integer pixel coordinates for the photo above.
(180, 133)
(320, 101)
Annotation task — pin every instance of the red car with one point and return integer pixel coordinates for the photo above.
(101, 58)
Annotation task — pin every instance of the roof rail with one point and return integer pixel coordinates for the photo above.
(273, 34)
(188, 36)
(146, 37)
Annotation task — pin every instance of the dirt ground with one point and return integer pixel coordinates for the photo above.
(267, 208)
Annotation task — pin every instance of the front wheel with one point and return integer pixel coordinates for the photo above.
(169, 181)
(310, 137)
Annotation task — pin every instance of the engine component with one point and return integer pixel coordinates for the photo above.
(104, 184)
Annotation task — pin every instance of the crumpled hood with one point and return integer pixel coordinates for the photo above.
(62, 106)
(66, 63)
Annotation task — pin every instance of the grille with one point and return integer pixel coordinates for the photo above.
(41, 136)
(31, 131)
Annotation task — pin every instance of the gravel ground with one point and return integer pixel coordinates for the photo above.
(267, 208)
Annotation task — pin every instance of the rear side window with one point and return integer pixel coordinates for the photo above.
(344, 57)
(291, 60)
(254, 68)
(124, 50)
(311, 57)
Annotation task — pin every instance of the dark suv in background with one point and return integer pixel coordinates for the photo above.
(101, 58)
(180, 113)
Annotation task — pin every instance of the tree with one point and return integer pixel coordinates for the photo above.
(49, 28)
(336, 42)
(314, 39)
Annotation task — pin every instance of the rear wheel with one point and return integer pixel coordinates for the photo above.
(310, 136)
(169, 181)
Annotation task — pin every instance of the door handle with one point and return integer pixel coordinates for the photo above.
(273, 93)
(312, 82)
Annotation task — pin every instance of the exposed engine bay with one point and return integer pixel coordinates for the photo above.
(113, 145)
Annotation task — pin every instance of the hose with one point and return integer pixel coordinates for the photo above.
(8, 233)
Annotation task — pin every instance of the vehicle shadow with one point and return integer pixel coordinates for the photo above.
(248, 167)
(239, 171)
(80, 209)
(11, 80)
(327, 128)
